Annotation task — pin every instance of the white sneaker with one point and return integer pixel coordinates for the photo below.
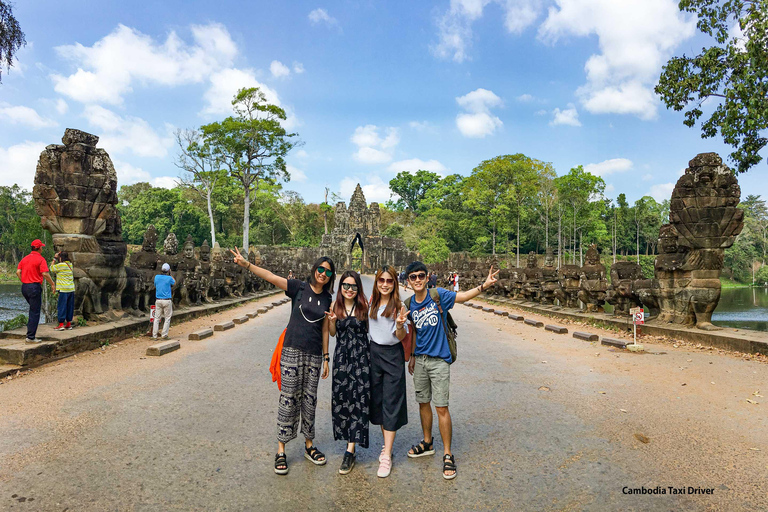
(385, 466)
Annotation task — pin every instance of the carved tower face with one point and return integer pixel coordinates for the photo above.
(150, 239)
(668, 239)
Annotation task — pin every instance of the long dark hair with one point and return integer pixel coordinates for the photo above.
(63, 256)
(328, 287)
(361, 305)
(393, 306)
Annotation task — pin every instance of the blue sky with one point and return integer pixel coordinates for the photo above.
(373, 88)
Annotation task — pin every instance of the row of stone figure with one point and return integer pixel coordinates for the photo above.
(663, 297)
(201, 276)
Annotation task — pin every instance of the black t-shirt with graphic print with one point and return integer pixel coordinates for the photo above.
(305, 328)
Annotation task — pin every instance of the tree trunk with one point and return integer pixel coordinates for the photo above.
(493, 250)
(559, 240)
(637, 242)
(517, 242)
(246, 218)
(581, 250)
(546, 230)
(325, 212)
(210, 217)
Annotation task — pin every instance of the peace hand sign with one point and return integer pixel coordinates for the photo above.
(330, 315)
(402, 317)
(492, 279)
(238, 258)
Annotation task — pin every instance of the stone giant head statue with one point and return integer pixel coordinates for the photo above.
(205, 251)
(189, 247)
(150, 239)
(593, 256)
(532, 260)
(171, 245)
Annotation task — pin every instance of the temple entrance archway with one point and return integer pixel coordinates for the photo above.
(357, 253)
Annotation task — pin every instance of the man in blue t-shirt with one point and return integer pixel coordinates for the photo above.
(431, 359)
(163, 300)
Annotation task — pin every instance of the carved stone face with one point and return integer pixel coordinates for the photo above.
(217, 257)
(150, 239)
(549, 260)
(668, 239)
(592, 257)
(205, 252)
(171, 245)
(252, 257)
(531, 259)
(189, 251)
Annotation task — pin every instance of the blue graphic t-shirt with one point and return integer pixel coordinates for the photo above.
(430, 333)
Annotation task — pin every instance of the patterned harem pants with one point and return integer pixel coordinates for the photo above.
(299, 375)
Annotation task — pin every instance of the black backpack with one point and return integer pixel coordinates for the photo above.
(449, 326)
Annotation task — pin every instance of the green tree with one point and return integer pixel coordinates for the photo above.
(490, 195)
(411, 189)
(11, 36)
(19, 224)
(201, 171)
(733, 72)
(252, 145)
(581, 194)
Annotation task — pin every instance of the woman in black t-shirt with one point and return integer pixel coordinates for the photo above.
(305, 349)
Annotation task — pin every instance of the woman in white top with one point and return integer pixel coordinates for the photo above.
(387, 328)
(456, 282)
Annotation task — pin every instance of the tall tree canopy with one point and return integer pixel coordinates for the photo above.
(411, 188)
(252, 145)
(11, 36)
(734, 71)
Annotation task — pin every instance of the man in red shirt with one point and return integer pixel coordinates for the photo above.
(31, 271)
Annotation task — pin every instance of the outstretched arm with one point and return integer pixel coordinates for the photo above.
(474, 292)
(263, 273)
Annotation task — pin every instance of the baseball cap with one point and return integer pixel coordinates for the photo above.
(36, 243)
(166, 267)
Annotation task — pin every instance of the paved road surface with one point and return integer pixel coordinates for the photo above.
(199, 434)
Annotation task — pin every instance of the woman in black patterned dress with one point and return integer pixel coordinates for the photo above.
(351, 367)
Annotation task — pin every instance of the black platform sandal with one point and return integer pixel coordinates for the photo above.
(422, 449)
(281, 464)
(314, 455)
(449, 464)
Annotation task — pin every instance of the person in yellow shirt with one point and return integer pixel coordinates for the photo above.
(65, 285)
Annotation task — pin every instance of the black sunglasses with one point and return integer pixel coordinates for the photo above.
(322, 270)
(348, 286)
(417, 277)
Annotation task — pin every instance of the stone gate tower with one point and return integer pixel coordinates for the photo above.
(360, 225)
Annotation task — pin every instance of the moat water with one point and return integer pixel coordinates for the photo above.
(742, 308)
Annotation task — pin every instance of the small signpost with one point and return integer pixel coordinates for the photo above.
(638, 318)
(151, 320)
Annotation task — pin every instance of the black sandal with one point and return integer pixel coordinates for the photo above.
(422, 449)
(281, 464)
(314, 455)
(449, 464)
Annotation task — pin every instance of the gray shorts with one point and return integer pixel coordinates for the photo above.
(432, 380)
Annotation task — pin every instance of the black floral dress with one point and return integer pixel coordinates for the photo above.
(351, 382)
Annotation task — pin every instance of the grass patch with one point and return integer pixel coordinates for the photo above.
(730, 283)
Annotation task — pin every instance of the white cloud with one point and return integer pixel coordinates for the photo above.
(19, 163)
(568, 116)
(635, 38)
(114, 64)
(225, 84)
(298, 68)
(525, 98)
(61, 106)
(18, 114)
(419, 126)
(297, 175)
(415, 164)
(608, 167)
(372, 148)
(302, 154)
(168, 182)
(478, 121)
(321, 16)
(127, 174)
(278, 69)
(540, 113)
(647, 177)
(609, 188)
(662, 191)
(374, 189)
(455, 25)
(119, 134)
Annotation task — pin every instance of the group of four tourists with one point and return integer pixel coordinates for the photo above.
(369, 361)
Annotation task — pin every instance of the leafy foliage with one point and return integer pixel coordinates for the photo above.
(411, 189)
(733, 71)
(11, 36)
